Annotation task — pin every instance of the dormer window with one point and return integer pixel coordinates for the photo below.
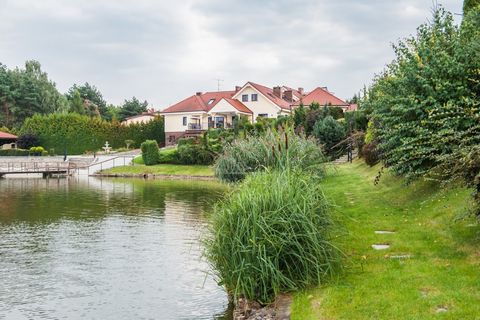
(210, 101)
(254, 97)
(244, 97)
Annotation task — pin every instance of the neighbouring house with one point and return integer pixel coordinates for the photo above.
(202, 111)
(8, 141)
(143, 117)
(323, 97)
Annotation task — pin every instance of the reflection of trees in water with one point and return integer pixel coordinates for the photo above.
(33, 199)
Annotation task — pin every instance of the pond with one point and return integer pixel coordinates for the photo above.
(106, 249)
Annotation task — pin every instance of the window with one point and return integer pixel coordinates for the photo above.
(254, 97)
(219, 122)
(184, 121)
(263, 115)
(211, 101)
(244, 97)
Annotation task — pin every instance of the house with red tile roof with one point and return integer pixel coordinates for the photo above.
(323, 97)
(202, 111)
(8, 140)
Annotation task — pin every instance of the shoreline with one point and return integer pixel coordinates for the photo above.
(154, 176)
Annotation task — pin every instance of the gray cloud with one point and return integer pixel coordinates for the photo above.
(162, 52)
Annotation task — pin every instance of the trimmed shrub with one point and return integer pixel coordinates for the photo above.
(169, 156)
(370, 154)
(38, 151)
(14, 152)
(27, 141)
(274, 149)
(150, 152)
(272, 234)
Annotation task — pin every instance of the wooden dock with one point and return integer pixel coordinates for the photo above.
(47, 169)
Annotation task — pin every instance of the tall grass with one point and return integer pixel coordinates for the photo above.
(271, 235)
(274, 149)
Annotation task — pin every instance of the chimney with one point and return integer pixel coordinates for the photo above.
(325, 88)
(199, 93)
(278, 91)
(289, 95)
(237, 88)
(300, 90)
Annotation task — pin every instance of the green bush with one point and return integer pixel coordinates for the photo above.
(194, 154)
(27, 141)
(271, 235)
(38, 151)
(169, 156)
(357, 119)
(14, 152)
(77, 133)
(330, 132)
(274, 149)
(150, 152)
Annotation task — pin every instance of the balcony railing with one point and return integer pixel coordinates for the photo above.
(212, 125)
(194, 126)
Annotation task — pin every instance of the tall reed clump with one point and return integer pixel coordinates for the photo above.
(271, 235)
(274, 149)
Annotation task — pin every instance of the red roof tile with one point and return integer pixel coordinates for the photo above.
(322, 97)
(199, 102)
(238, 105)
(4, 135)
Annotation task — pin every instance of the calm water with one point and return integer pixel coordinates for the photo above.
(106, 249)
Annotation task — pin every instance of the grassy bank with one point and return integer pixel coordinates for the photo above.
(441, 278)
(162, 169)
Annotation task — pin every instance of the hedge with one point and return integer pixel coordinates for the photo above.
(150, 152)
(14, 152)
(78, 133)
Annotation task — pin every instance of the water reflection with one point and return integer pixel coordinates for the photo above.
(106, 249)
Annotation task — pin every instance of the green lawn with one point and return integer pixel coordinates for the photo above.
(167, 169)
(443, 272)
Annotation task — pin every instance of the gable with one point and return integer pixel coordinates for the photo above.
(230, 105)
(247, 88)
(200, 102)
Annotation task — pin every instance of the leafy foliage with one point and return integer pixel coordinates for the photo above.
(469, 5)
(25, 92)
(92, 102)
(27, 141)
(425, 105)
(357, 120)
(131, 107)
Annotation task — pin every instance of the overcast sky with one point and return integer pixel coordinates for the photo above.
(164, 51)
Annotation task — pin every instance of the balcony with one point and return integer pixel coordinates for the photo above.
(194, 126)
(218, 125)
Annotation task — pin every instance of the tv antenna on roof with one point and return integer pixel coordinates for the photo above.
(218, 83)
